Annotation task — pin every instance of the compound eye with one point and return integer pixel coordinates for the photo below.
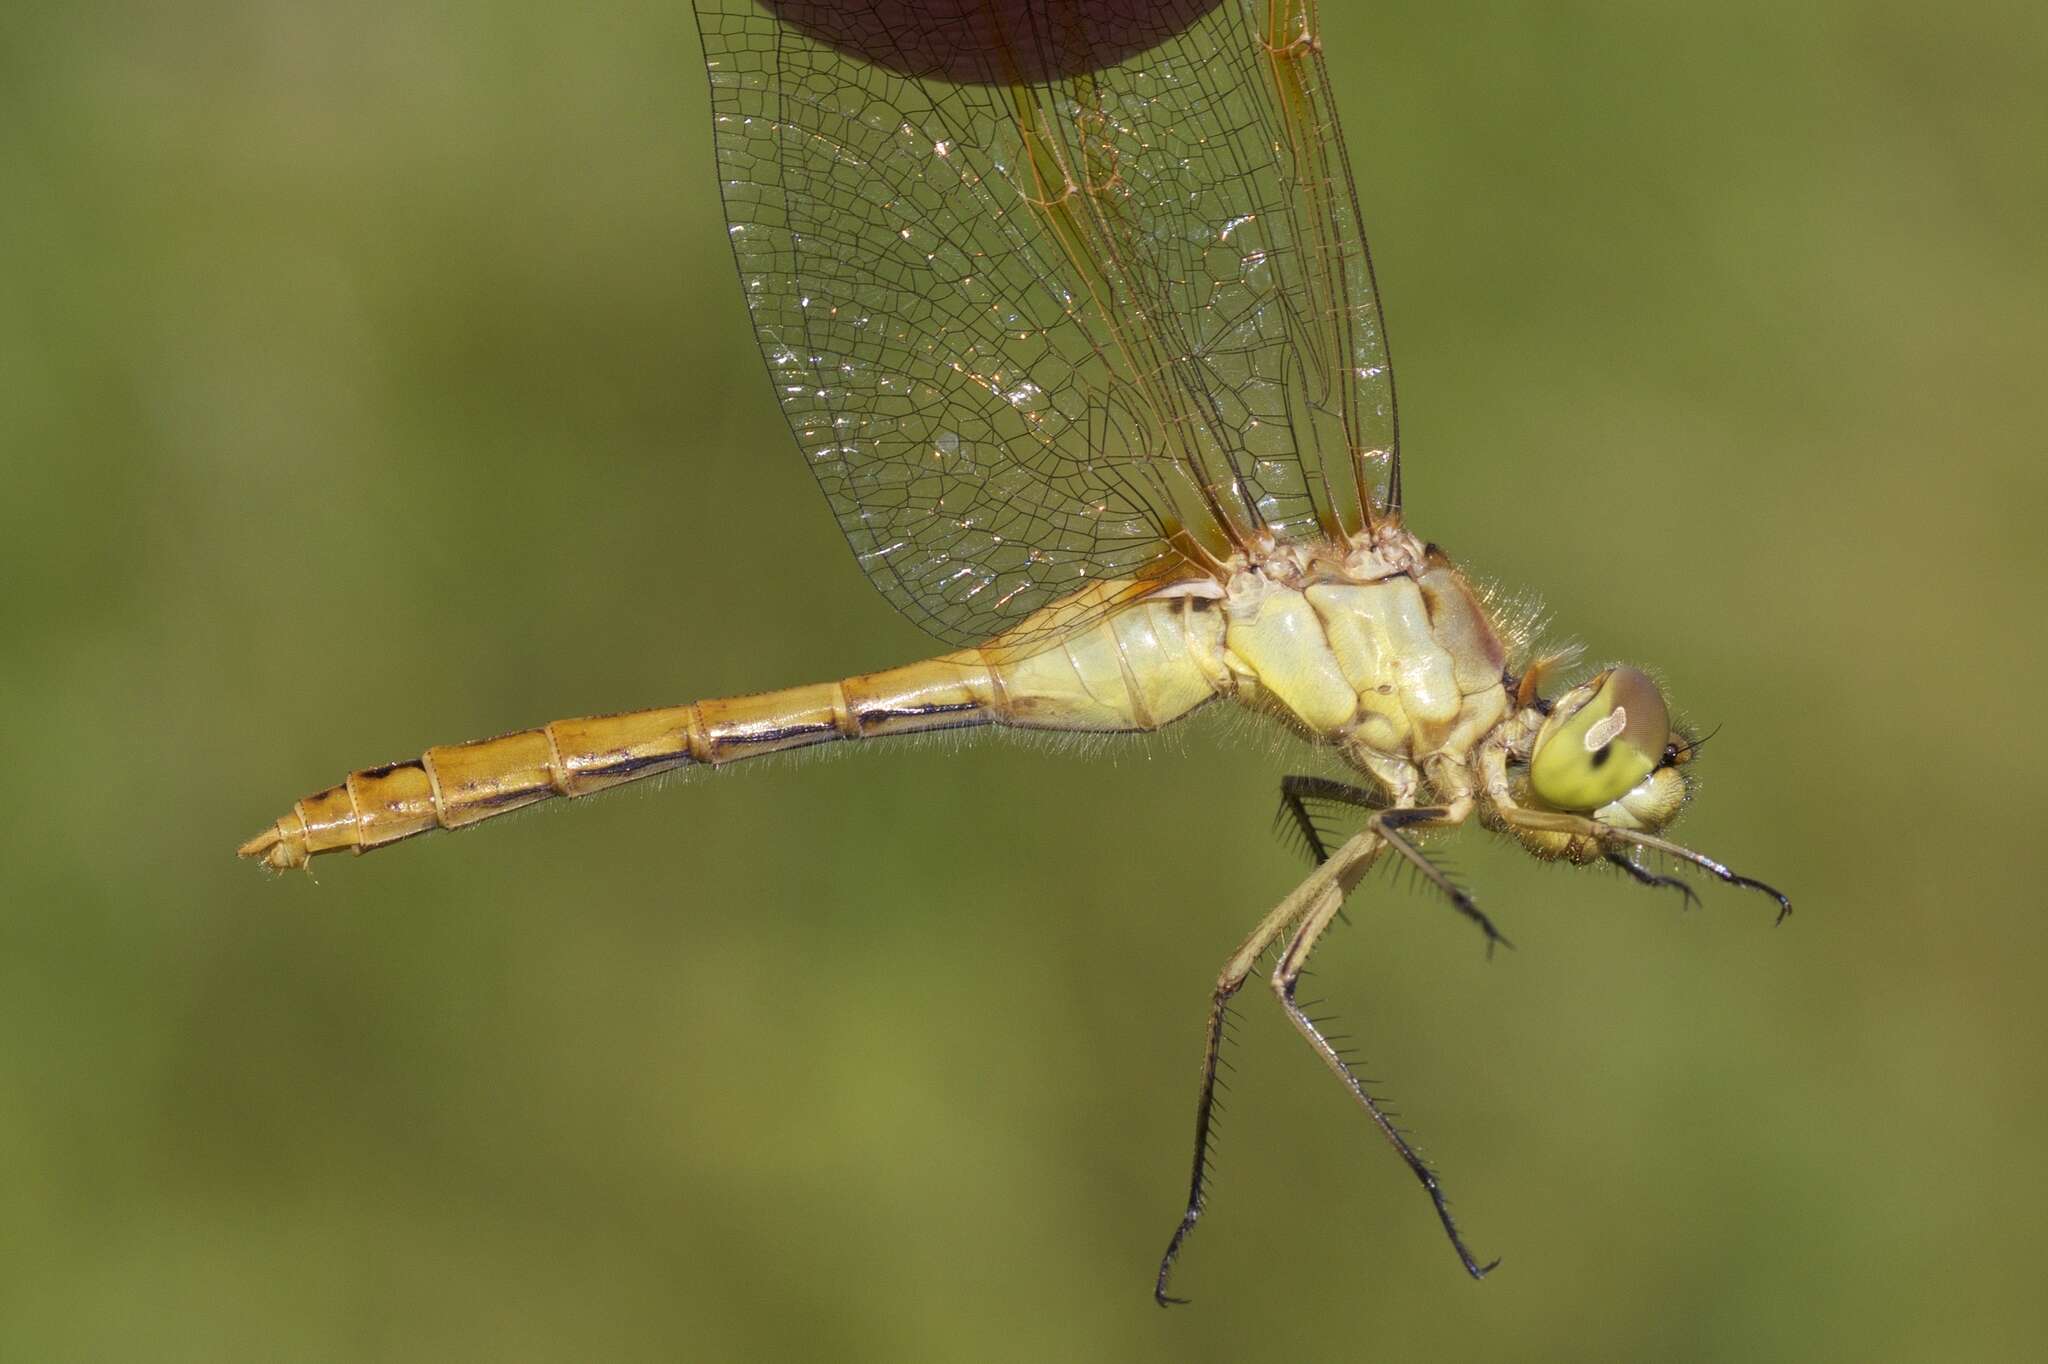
(1595, 752)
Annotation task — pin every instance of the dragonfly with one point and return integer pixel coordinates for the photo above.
(1069, 307)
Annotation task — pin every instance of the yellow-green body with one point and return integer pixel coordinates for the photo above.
(1035, 313)
(1381, 651)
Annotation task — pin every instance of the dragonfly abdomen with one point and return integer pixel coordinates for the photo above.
(1134, 668)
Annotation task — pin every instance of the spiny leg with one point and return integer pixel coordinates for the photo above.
(1707, 864)
(1332, 872)
(1610, 839)
(1297, 791)
(1227, 985)
(1389, 824)
(1285, 976)
(1643, 876)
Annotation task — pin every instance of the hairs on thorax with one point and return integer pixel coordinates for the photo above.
(1518, 618)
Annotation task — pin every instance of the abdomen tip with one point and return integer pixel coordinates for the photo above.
(275, 850)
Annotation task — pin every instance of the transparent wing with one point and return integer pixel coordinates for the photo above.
(1054, 291)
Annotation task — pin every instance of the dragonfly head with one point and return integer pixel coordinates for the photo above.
(1607, 750)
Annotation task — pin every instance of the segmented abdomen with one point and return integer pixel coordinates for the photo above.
(1136, 668)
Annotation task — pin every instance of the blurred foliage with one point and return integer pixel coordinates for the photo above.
(374, 376)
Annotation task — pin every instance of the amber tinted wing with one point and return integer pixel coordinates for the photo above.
(1043, 283)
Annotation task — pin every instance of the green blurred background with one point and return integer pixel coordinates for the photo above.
(373, 376)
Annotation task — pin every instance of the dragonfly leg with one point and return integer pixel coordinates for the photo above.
(1389, 825)
(1285, 976)
(1643, 876)
(1333, 878)
(1297, 791)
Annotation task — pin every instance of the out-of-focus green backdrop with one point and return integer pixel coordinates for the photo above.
(373, 376)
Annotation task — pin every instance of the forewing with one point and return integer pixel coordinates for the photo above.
(1053, 292)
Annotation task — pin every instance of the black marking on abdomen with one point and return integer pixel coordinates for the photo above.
(624, 767)
(872, 714)
(750, 737)
(505, 797)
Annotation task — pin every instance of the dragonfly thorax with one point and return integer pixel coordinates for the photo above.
(1385, 551)
(1382, 649)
